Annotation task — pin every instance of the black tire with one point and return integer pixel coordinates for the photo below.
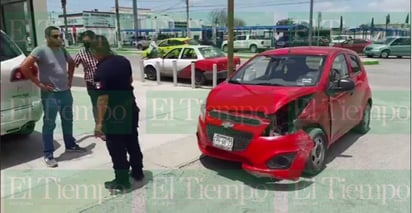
(317, 158)
(385, 54)
(150, 72)
(369, 56)
(200, 78)
(140, 47)
(364, 125)
(27, 129)
(253, 49)
(225, 48)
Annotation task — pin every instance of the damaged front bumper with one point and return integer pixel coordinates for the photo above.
(279, 157)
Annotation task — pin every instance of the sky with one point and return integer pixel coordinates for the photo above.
(263, 12)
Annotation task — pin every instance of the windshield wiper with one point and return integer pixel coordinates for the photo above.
(268, 84)
(234, 82)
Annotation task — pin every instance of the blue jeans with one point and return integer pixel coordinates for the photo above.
(57, 102)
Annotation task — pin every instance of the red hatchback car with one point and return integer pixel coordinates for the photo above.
(279, 113)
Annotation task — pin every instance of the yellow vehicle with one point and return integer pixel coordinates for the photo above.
(166, 45)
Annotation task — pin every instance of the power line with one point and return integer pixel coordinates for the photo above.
(238, 6)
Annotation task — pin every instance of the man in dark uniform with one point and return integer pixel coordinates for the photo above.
(117, 113)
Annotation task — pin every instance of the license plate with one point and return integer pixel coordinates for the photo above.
(223, 142)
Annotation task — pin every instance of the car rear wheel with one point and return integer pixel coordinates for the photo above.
(385, 54)
(200, 78)
(316, 161)
(27, 129)
(140, 47)
(253, 49)
(364, 126)
(150, 72)
(225, 48)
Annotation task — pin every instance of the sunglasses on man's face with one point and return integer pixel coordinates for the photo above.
(56, 36)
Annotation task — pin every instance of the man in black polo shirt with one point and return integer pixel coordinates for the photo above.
(117, 113)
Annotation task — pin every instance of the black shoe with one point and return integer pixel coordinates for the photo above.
(117, 185)
(137, 176)
(76, 148)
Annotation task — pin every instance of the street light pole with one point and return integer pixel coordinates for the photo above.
(135, 17)
(310, 22)
(119, 45)
(230, 19)
(65, 21)
(187, 19)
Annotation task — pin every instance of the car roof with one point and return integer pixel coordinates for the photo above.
(179, 39)
(193, 46)
(307, 50)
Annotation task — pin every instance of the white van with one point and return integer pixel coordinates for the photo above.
(20, 99)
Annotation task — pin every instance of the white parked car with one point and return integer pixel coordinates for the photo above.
(20, 99)
(203, 56)
(338, 39)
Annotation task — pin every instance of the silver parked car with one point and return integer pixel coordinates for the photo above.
(391, 46)
(20, 98)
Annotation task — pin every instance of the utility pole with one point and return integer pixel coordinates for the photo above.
(310, 22)
(230, 19)
(319, 22)
(187, 19)
(135, 17)
(119, 44)
(65, 21)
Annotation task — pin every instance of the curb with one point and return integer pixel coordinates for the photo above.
(374, 62)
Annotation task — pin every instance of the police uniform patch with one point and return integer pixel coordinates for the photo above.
(98, 85)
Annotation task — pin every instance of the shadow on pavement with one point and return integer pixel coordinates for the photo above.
(16, 149)
(340, 146)
(233, 171)
(135, 184)
(66, 156)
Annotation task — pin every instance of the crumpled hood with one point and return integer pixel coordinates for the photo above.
(266, 99)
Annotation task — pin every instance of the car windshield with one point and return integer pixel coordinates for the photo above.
(384, 41)
(211, 52)
(287, 70)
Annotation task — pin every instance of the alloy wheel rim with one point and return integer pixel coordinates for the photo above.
(318, 152)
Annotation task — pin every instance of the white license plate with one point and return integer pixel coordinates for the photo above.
(223, 142)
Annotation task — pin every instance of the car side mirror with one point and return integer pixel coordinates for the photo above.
(342, 85)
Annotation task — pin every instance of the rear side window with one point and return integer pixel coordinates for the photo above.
(354, 63)
(8, 48)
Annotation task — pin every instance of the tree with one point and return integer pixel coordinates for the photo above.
(341, 25)
(287, 21)
(372, 25)
(219, 16)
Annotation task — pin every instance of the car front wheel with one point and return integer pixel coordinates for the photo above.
(150, 72)
(385, 54)
(316, 161)
(200, 78)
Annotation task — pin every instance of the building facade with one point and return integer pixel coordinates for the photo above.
(104, 23)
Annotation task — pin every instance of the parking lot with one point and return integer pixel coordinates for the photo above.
(369, 173)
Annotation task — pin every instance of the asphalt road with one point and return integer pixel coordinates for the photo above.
(368, 173)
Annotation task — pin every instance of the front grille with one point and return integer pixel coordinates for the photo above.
(234, 118)
(240, 139)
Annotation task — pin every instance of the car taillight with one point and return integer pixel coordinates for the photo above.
(17, 74)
